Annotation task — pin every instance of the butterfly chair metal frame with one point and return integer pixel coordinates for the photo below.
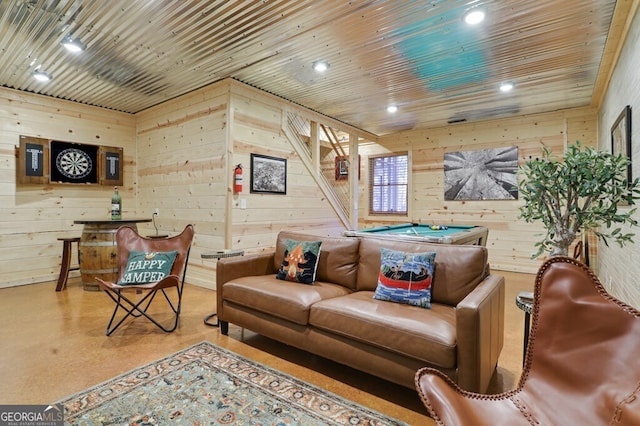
(581, 367)
(128, 240)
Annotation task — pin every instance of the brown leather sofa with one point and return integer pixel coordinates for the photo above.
(338, 318)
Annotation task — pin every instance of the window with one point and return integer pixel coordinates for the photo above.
(388, 184)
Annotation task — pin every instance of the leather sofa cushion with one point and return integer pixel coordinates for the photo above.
(458, 268)
(423, 334)
(338, 257)
(283, 299)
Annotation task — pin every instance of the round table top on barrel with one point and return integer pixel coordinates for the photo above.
(104, 221)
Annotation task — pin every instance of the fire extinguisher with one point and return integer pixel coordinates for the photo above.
(237, 179)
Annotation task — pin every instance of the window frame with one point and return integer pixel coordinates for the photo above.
(370, 185)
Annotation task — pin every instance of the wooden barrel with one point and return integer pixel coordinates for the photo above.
(98, 254)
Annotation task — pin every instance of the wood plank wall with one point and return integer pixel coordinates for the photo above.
(618, 267)
(187, 150)
(182, 164)
(181, 169)
(34, 216)
(510, 239)
(257, 125)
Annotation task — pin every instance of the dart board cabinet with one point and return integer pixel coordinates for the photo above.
(43, 160)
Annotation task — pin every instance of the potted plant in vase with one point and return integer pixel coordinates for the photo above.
(580, 192)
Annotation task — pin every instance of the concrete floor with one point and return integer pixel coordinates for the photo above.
(53, 345)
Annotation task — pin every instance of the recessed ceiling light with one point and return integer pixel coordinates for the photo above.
(392, 108)
(474, 16)
(507, 86)
(42, 76)
(321, 66)
(73, 45)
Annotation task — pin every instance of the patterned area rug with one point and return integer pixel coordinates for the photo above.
(206, 384)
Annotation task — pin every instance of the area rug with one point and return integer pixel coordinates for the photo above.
(206, 384)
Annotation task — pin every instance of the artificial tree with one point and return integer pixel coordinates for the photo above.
(580, 192)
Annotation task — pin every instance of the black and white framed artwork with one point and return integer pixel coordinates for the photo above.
(487, 174)
(268, 174)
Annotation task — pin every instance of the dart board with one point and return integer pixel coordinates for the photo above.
(73, 162)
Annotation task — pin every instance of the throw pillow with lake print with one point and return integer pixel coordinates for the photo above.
(300, 261)
(147, 267)
(405, 277)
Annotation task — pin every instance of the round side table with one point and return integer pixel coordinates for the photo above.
(524, 302)
(217, 255)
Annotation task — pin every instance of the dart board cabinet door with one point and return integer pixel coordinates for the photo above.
(32, 161)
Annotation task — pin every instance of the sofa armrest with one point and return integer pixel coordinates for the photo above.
(230, 268)
(480, 333)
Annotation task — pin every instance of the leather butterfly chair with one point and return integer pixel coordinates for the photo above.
(582, 364)
(169, 288)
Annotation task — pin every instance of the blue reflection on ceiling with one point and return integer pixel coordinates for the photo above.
(444, 51)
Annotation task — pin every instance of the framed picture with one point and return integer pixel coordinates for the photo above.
(342, 167)
(485, 174)
(268, 174)
(621, 137)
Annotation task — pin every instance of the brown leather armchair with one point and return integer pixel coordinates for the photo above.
(582, 363)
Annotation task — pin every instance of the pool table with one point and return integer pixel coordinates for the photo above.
(441, 234)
